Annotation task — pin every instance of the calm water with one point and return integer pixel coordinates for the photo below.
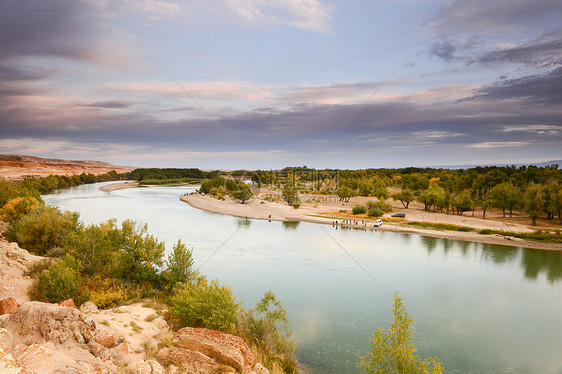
(479, 308)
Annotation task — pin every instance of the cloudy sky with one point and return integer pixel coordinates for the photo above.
(274, 83)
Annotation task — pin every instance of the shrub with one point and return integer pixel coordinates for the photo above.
(343, 210)
(16, 208)
(60, 282)
(43, 228)
(106, 292)
(180, 263)
(375, 212)
(296, 204)
(486, 232)
(204, 304)
(358, 209)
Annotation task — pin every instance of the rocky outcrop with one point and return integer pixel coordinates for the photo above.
(36, 322)
(205, 351)
(47, 338)
(88, 307)
(105, 339)
(8, 306)
(67, 303)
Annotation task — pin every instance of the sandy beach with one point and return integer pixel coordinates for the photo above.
(326, 213)
(118, 186)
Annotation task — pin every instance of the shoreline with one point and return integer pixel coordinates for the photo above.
(258, 209)
(118, 186)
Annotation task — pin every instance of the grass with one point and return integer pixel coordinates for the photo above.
(543, 236)
(440, 226)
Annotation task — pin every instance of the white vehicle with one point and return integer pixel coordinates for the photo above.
(378, 223)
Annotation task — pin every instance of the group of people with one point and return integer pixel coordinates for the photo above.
(349, 222)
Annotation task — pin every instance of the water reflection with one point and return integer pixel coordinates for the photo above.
(244, 222)
(499, 255)
(290, 225)
(429, 243)
(535, 262)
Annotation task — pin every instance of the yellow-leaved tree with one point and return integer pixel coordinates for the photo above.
(392, 350)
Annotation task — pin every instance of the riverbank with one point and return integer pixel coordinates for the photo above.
(328, 213)
(118, 186)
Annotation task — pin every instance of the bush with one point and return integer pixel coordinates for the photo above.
(486, 232)
(359, 209)
(106, 292)
(43, 228)
(296, 204)
(375, 212)
(60, 282)
(180, 263)
(204, 304)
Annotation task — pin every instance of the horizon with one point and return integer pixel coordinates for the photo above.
(234, 85)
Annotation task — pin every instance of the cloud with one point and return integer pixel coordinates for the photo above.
(493, 17)
(111, 104)
(306, 14)
(497, 144)
(543, 89)
(543, 52)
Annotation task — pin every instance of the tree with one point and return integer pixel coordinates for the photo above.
(291, 195)
(43, 228)
(380, 190)
(534, 202)
(140, 253)
(17, 208)
(406, 196)
(203, 304)
(463, 202)
(505, 196)
(345, 193)
(392, 350)
(243, 192)
(180, 264)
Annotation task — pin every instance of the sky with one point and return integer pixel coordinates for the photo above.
(265, 84)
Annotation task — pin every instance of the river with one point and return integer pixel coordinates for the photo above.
(479, 308)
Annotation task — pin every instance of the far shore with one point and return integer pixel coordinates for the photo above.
(118, 186)
(259, 209)
(328, 214)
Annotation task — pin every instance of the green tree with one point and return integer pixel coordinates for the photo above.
(180, 264)
(406, 196)
(345, 193)
(291, 195)
(534, 202)
(243, 192)
(140, 253)
(505, 196)
(203, 304)
(392, 350)
(45, 227)
(463, 202)
(60, 282)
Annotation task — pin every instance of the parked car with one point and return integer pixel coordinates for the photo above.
(401, 215)
(378, 222)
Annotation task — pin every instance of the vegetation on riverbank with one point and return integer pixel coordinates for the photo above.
(111, 264)
(534, 191)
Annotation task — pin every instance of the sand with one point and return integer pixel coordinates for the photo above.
(118, 186)
(328, 212)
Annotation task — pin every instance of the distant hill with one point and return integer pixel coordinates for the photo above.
(17, 167)
(539, 164)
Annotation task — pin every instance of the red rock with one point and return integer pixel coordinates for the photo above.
(224, 348)
(191, 361)
(8, 306)
(68, 303)
(105, 339)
